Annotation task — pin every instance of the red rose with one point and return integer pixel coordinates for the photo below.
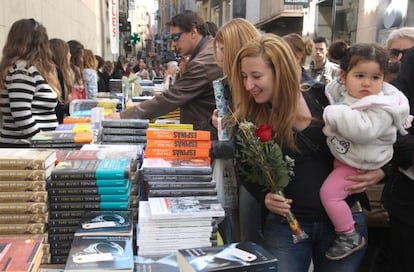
(264, 133)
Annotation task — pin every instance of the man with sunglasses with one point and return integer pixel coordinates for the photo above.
(193, 90)
(399, 41)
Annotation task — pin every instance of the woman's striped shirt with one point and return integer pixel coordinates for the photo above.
(27, 104)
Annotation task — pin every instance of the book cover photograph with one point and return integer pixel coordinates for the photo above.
(126, 123)
(156, 263)
(247, 256)
(100, 254)
(105, 223)
(20, 252)
(189, 206)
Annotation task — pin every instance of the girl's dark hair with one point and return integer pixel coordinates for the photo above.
(336, 49)
(350, 56)
(187, 20)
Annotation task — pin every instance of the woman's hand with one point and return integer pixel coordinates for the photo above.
(115, 115)
(365, 178)
(277, 204)
(214, 118)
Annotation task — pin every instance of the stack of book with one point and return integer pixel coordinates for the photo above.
(177, 177)
(23, 194)
(166, 224)
(103, 242)
(182, 144)
(21, 253)
(77, 186)
(131, 131)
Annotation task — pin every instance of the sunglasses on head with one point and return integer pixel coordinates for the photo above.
(35, 23)
(176, 36)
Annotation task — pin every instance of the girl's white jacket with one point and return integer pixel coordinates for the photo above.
(362, 134)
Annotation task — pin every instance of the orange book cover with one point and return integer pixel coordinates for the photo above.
(177, 153)
(178, 134)
(20, 253)
(163, 143)
(83, 137)
(72, 120)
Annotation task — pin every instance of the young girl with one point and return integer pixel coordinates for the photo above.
(361, 125)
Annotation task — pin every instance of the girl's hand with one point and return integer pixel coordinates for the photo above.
(277, 204)
(365, 178)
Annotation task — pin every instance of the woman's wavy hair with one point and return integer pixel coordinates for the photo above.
(89, 60)
(28, 40)
(76, 60)
(232, 36)
(281, 111)
(60, 51)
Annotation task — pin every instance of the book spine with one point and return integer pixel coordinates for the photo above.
(22, 186)
(172, 126)
(33, 228)
(20, 175)
(29, 207)
(175, 144)
(66, 214)
(64, 222)
(178, 178)
(179, 193)
(89, 198)
(63, 230)
(121, 206)
(180, 185)
(22, 164)
(124, 138)
(86, 183)
(124, 131)
(177, 153)
(143, 123)
(178, 134)
(24, 218)
(7, 197)
(89, 191)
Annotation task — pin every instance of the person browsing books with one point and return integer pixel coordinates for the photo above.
(266, 89)
(229, 39)
(361, 126)
(193, 90)
(29, 87)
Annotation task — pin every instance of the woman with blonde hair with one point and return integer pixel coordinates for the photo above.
(90, 76)
(29, 87)
(229, 39)
(266, 90)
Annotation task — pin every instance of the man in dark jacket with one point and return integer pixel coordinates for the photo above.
(193, 92)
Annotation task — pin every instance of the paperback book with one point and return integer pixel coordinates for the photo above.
(22, 185)
(179, 207)
(100, 253)
(176, 166)
(179, 153)
(20, 252)
(160, 143)
(156, 263)
(125, 123)
(235, 257)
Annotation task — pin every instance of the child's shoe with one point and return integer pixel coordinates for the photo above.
(344, 245)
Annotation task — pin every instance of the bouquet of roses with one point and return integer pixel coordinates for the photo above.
(263, 162)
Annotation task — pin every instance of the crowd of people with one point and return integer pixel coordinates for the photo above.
(344, 119)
